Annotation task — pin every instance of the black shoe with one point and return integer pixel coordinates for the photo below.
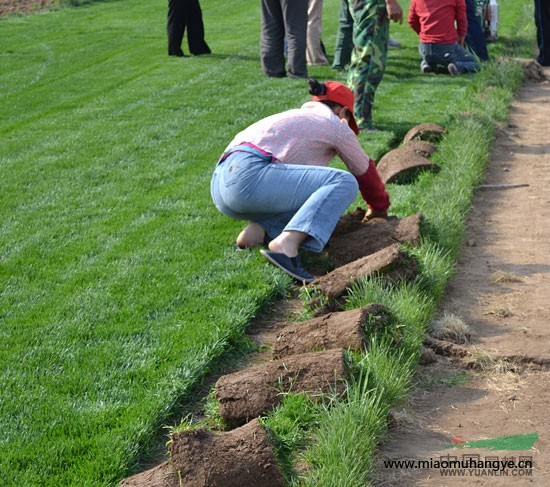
(291, 265)
(201, 52)
(176, 53)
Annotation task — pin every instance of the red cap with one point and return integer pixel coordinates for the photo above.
(341, 94)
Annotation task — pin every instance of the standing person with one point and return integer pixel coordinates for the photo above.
(442, 27)
(368, 61)
(282, 18)
(344, 38)
(182, 14)
(274, 174)
(542, 21)
(315, 52)
(475, 38)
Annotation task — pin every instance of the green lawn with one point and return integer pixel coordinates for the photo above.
(119, 286)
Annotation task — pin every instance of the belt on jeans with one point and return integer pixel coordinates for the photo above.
(251, 149)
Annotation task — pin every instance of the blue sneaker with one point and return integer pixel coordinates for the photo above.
(291, 265)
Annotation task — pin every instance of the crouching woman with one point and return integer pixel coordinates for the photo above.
(274, 174)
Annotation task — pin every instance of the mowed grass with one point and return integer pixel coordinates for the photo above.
(119, 285)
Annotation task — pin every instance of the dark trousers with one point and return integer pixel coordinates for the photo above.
(475, 38)
(185, 14)
(542, 20)
(344, 37)
(280, 18)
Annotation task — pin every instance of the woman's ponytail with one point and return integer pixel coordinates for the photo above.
(316, 88)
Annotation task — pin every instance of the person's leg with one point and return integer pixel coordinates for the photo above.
(464, 60)
(295, 20)
(251, 236)
(288, 242)
(344, 38)
(175, 27)
(316, 197)
(315, 54)
(453, 57)
(436, 55)
(284, 197)
(195, 29)
(426, 65)
(272, 39)
(368, 60)
(544, 56)
(542, 20)
(538, 25)
(475, 38)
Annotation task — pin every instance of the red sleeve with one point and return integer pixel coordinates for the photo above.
(372, 189)
(413, 19)
(461, 19)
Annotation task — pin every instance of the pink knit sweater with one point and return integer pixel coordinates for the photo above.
(311, 135)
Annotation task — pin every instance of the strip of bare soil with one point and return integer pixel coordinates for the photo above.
(23, 6)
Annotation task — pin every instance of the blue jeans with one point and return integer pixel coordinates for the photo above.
(435, 55)
(282, 197)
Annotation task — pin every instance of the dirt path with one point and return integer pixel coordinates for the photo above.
(502, 292)
(8, 7)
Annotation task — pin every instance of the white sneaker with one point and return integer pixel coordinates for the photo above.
(453, 70)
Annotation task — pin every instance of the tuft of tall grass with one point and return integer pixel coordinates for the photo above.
(349, 429)
(290, 429)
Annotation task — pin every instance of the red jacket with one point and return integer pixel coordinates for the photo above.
(434, 20)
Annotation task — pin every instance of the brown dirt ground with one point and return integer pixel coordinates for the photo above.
(23, 6)
(502, 292)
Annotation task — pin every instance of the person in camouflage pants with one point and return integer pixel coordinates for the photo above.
(368, 61)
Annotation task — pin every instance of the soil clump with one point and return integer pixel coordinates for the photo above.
(345, 329)
(201, 458)
(356, 239)
(256, 390)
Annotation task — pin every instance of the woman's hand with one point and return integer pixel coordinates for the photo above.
(370, 214)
